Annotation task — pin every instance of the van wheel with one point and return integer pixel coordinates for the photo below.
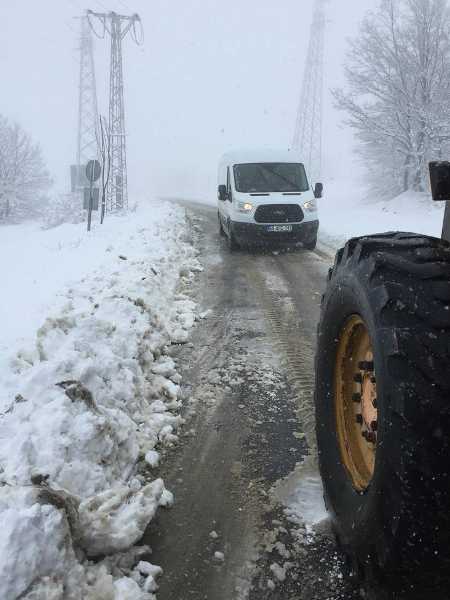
(232, 243)
(221, 231)
(383, 410)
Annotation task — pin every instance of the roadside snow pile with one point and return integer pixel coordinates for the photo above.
(84, 406)
(346, 212)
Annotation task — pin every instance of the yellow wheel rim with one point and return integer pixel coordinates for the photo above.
(355, 399)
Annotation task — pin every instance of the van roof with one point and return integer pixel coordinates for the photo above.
(260, 156)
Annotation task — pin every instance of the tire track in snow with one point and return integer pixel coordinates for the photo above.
(296, 350)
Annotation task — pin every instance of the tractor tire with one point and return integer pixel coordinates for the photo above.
(382, 404)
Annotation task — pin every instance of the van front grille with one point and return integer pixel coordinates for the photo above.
(279, 213)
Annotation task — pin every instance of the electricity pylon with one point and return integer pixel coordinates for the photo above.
(308, 128)
(88, 141)
(118, 27)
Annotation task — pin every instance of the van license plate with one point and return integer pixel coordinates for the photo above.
(279, 228)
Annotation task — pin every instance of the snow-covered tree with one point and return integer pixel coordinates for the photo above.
(63, 208)
(23, 175)
(398, 101)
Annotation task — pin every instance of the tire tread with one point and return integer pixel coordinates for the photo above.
(407, 279)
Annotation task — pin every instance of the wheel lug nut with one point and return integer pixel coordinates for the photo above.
(359, 419)
(366, 365)
(357, 398)
(358, 378)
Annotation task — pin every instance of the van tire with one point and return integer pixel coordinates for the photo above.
(396, 533)
(232, 243)
(221, 230)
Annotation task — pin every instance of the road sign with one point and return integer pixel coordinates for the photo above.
(93, 170)
(95, 197)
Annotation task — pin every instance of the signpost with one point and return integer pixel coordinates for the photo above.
(95, 198)
(93, 172)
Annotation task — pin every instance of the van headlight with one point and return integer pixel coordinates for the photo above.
(310, 205)
(245, 207)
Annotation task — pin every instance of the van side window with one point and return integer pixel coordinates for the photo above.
(229, 184)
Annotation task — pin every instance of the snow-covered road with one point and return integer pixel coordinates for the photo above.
(247, 491)
(101, 375)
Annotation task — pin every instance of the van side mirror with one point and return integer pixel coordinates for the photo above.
(440, 180)
(223, 194)
(318, 190)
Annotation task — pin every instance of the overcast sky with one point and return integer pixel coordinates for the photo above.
(211, 75)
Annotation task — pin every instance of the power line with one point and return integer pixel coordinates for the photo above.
(103, 21)
(101, 4)
(138, 39)
(125, 5)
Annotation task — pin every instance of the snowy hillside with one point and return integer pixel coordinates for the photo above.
(88, 395)
(345, 212)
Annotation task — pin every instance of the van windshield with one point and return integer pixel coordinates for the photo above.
(261, 178)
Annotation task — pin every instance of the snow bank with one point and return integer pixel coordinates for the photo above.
(346, 211)
(87, 400)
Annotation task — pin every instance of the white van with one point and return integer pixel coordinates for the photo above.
(264, 197)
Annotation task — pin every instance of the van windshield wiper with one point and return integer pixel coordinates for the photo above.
(286, 179)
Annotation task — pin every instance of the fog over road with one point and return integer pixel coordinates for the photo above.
(246, 487)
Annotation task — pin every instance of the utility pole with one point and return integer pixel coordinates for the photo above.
(308, 128)
(118, 26)
(87, 144)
